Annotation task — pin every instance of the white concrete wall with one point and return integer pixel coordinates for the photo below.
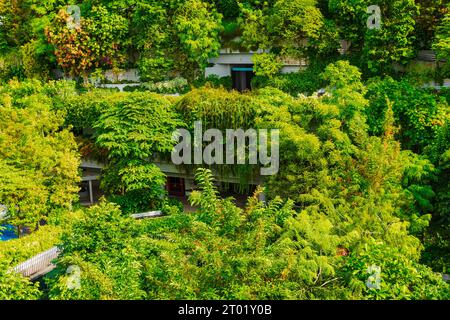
(229, 50)
(222, 63)
(221, 70)
(128, 75)
(290, 69)
(91, 164)
(233, 58)
(119, 86)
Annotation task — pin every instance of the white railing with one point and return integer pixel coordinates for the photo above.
(42, 263)
(35, 266)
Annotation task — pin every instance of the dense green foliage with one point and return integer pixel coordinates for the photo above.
(95, 42)
(19, 250)
(419, 113)
(132, 131)
(175, 36)
(290, 28)
(307, 81)
(347, 196)
(15, 287)
(166, 39)
(264, 251)
(422, 117)
(442, 43)
(126, 130)
(378, 48)
(38, 161)
(326, 145)
(358, 210)
(430, 14)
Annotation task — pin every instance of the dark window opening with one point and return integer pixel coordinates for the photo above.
(176, 187)
(242, 77)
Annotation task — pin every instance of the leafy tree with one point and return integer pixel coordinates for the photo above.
(12, 31)
(176, 36)
(436, 239)
(266, 64)
(22, 34)
(24, 195)
(400, 278)
(419, 113)
(38, 160)
(325, 144)
(378, 49)
(429, 17)
(442, 42)
(101, 245)
(264, 251)
(228, 8)
(342, 75)
(288, 28)
(133, 130)
(439, 153)
(198, 26)
(352, 214)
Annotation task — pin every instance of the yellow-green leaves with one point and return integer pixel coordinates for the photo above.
(38, 160)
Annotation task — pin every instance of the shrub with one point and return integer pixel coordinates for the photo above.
(15, 287)
(302, 82)
(400, 278)
(18, 250)
(217, 108)
(266, 65)
(11, 66)
(228, 8)
(133, 130)
(214, 81)
(418, 112)
(178, 85)
(38, 161)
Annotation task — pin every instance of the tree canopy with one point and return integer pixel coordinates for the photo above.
(165, 39)
(264, 251)
(38, 160)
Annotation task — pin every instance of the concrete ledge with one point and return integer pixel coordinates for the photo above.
(151, 214)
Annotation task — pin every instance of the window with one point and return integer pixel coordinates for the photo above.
(242, 77)
(176, 187)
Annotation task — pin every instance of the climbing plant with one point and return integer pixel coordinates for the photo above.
(96, 41)
(377, 48)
